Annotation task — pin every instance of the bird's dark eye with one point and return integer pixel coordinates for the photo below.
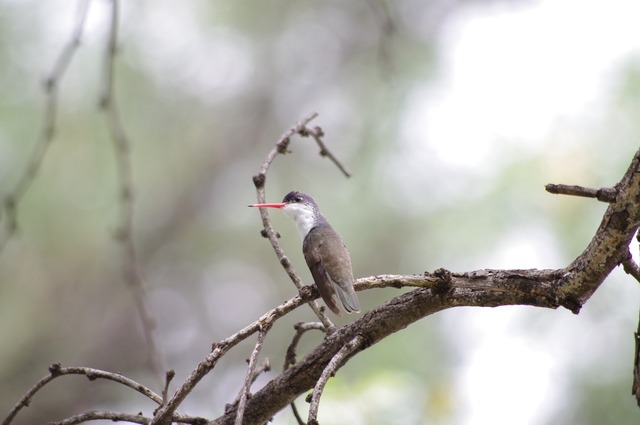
(298, 198)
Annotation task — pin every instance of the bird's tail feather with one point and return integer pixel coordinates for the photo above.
(348, 298)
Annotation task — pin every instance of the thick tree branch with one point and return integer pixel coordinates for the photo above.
(569, 287)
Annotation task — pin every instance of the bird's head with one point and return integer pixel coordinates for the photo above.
(300, 207)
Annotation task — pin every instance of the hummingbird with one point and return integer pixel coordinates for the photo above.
(323, 249)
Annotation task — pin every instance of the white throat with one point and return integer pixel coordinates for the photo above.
(302, 216)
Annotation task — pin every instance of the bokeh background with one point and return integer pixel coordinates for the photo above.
(451, 115)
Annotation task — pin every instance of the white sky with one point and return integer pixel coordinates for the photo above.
(509, 73)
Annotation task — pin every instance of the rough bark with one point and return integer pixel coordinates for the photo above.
(568, 287)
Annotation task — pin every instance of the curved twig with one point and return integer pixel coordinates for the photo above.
(301, 328)
(55, 370)
(97, 415)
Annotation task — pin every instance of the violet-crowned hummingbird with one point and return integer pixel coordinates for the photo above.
(323, 249)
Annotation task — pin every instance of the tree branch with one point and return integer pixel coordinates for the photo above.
(97, 415)
(605, 194)
(631, 268)
(318, 134)
(250, 377)
(568, 287)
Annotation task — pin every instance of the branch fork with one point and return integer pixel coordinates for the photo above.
(568, 287)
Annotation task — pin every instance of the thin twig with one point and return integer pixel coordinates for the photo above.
(169, 375)
(52, 83)
(263, 367)
(604, 194)
(250, 376)
(300, 329)
(296, 414)
(96, 415)
(290, 358)
(635, 386)
(119, 416)
(318, 134)
(259, 180)
(382, 13)
(56, 370)
(630, 267)
(329, 371)
(122, 147)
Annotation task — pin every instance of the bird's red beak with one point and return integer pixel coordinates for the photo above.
(278, 205)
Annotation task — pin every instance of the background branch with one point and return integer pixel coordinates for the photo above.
(124, 235)
(9, 207)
